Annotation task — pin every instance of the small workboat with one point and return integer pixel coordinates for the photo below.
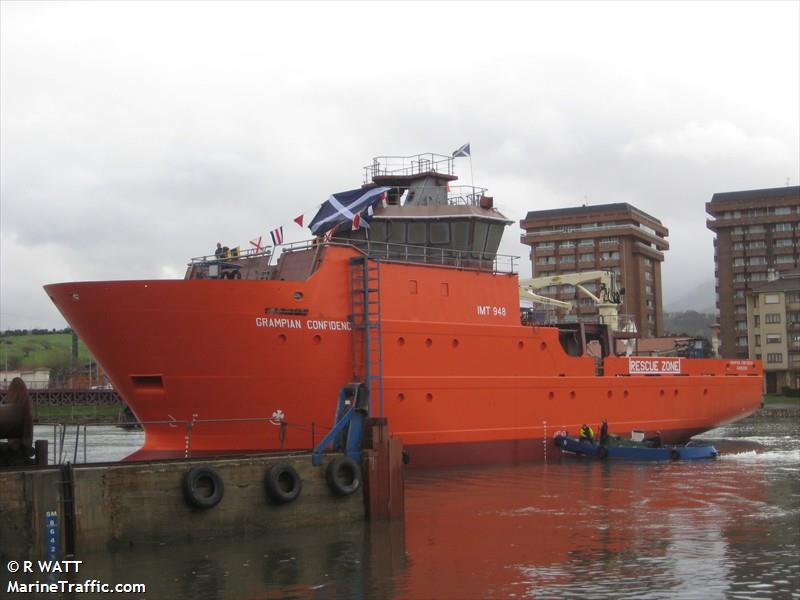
(616, 447)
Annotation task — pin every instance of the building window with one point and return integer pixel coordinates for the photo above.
(741, 341)
(738, 294)
(756, 229)
(609, 240)
(741, 325)
(545, 245)
(758, 340)
(567, 244)
(585, 243)
(568, 289)
(738, 262)
(609, 256)
(783, 210)
(648, 276)
(774, 338)
(648, 289)
(783, 226)
(546, 260)
(586, 258)
(758, 277)
(794, 318)
(793, 297)
(567, 259)
(738, 230)
(758, 260)
(774, 357)
(772, 298)
(784, 259)
(739, 277)
(756, 320)
(755, 244)
(794, 339)
(783, 243)
(773, 318)
(738, 246)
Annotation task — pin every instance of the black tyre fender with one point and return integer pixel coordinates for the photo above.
(203, 487)
(674, 454)
(602, 452)
(343, 476)
(283, 483)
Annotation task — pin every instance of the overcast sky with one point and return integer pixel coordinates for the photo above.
(135, 136)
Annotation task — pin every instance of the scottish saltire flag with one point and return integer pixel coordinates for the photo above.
(462, 151)
(277, 236)
(343, 207)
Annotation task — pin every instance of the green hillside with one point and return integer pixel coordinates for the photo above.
(28, 351)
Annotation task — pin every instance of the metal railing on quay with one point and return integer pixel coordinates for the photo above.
(69, 448)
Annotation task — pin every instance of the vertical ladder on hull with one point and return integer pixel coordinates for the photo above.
(355, 402)
(366, 321)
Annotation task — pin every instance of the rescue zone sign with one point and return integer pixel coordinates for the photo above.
(654, 366)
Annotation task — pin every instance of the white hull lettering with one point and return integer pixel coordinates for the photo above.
(654, 366)
(315, 325)
(279, 323)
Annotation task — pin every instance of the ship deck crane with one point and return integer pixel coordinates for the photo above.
(608, 297)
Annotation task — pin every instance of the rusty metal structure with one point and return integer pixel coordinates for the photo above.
(17, 447)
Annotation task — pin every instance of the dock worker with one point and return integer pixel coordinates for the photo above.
(219, 252)
(586, 434)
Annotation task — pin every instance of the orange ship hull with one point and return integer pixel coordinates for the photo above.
(205, 364)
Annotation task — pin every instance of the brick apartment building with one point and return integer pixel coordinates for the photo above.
(617, 237)
(756, 231)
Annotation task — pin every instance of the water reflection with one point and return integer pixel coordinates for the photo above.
(728, 528)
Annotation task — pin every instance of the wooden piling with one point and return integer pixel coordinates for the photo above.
(383, 472)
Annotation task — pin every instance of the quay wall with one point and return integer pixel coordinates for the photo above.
(127, 504)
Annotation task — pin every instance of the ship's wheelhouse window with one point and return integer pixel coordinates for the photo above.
(397, 232)
(440, 233)
(460, 235)
(493, 240)
(377, 231)
(416, 233)
(479, 238)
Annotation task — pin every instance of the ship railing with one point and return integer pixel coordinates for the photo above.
(466, 195)
(479, 261)
(76, 442)
(233, 255)
(387, 166)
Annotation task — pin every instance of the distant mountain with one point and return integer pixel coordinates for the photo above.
(690, 322)
(700, 299)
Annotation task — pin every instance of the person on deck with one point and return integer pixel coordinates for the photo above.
(586, 435)
(655, 441)
(219, 252)
(604, 432)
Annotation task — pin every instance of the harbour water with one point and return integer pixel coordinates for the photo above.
(569, 528)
